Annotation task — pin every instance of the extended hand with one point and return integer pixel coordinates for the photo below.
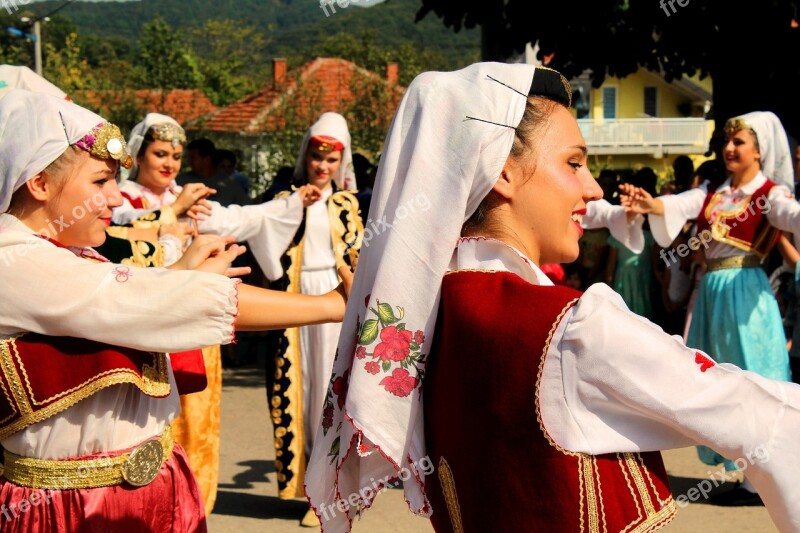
(191, 200)
(309, 194)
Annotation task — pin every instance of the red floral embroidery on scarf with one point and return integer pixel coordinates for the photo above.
(340, 389)
(704, 361)
(327, 418)
(361, 352)
(373, 367)
(395, 345)
(400, 383)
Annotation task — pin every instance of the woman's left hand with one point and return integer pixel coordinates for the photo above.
(211, 253)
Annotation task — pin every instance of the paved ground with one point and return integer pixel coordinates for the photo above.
(247, 500)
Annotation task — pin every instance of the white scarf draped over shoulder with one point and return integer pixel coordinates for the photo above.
(446, 147)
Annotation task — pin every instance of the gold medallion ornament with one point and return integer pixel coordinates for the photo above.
(143, 463)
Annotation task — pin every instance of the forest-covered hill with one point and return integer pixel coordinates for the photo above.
(292, 28)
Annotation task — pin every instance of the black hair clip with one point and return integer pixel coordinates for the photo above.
(490, 122)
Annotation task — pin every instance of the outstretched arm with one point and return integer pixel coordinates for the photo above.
(261, 309)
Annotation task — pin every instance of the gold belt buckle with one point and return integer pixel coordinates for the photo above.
(143, 464)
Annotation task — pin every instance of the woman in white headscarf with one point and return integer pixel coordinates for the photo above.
(502, 402)
(332, 230)
(89, 386)
(151, 198)
(736, 318)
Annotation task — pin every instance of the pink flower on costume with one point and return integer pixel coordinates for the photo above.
(361, 352)
(419, 337)
(394, 346)
(372, 367)
(400, 383)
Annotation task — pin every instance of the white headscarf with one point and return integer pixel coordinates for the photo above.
(331, 125)
(14, 77)
(137, 137)
(773, 145)
(35, 129)
(445, 150)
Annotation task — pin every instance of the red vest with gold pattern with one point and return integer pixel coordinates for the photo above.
(496, 469)
(41, 376)
(745, 227)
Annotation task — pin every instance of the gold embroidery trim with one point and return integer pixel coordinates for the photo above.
(587, 463)
(154, 381)
(739, 261)
(344, 236)
(720, 230)
(448, 484)
(638, 480)
(75, 473)
(11, 375)
(294, 392)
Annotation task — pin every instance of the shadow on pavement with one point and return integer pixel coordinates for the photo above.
(256, 473)
(682, 485)
(258, 506)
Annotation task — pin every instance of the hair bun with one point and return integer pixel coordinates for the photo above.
(551, 84)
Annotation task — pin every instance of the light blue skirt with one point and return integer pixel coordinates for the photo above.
(736, 320)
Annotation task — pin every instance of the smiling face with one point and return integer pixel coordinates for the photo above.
(550, 200)
(321, 166)
(159, 164)
(80, 211)
(741, 153)
(538, 202)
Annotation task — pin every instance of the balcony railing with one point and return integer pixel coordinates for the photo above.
(656, 136)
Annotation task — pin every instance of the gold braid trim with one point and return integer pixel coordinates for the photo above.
(347, 229)
(448, 484)
(154, 381)
(294, 392)
(71, 474)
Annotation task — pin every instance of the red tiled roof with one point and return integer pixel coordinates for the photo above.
(181, 104)
(320, 85)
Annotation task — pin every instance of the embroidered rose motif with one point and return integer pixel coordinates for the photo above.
(327, 418)
(704, 361)
(395, 344)
(340, 389)
(400, 383)
(372, 367)
(394, 350)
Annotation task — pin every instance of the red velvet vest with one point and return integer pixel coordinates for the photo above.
(41, 376)
(496, 469)
(745, 227)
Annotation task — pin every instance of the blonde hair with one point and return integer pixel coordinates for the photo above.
(58, 173)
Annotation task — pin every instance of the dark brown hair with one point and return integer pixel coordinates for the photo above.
(531, 128)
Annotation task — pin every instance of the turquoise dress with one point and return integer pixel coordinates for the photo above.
(736, 320)
(633, 277)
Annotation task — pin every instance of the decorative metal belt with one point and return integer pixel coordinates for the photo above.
(137, 467)
(739, 261)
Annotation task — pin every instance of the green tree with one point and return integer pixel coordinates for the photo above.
(229, 58)
(166, 60)
(65, 66)
(365, 50)
(744, 49)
